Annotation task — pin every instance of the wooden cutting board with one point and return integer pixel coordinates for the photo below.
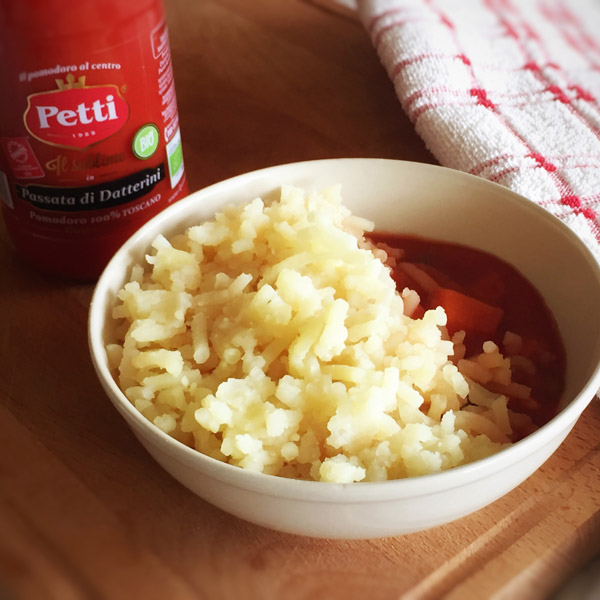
(86, 513)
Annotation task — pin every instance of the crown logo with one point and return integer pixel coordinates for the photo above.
(70, 83)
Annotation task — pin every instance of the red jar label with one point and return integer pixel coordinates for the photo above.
(90, 141)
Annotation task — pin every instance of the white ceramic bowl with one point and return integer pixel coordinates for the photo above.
(406, 198)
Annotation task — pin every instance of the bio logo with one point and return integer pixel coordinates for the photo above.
(145, 141)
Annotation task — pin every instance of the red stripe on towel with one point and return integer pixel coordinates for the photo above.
(542, 76)
(560, 162)
(567, 195)
(554, 86)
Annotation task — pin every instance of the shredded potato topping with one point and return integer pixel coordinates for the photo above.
(272, 337)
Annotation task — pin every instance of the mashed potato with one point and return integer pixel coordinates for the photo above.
(273, 338)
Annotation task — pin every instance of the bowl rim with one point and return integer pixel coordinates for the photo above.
(317, 491)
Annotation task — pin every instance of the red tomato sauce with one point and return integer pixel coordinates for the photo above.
(486, 297)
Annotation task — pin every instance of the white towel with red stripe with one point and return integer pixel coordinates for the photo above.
(505, 89)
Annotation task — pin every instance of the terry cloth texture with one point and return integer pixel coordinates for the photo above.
(505, 89)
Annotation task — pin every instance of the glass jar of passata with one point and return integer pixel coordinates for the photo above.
(90, 146)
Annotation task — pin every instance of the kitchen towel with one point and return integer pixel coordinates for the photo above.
(505, 89)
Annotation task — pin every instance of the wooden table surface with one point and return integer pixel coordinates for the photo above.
(86, 513)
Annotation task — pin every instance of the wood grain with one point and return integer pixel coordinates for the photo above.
(86, 513)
